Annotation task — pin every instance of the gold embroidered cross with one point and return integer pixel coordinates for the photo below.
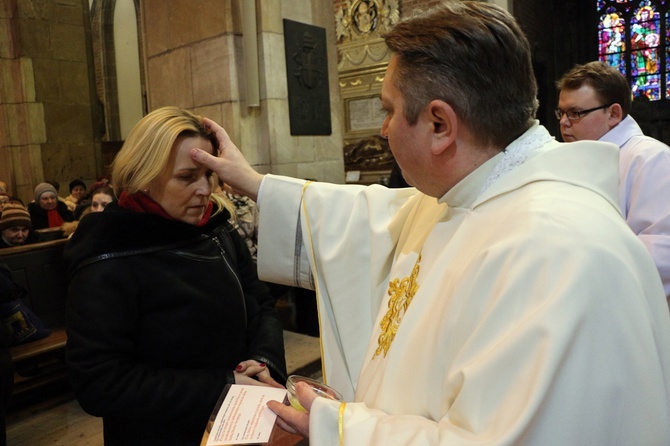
(402, 292)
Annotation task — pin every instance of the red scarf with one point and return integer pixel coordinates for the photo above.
(140, 202)
(55, 220)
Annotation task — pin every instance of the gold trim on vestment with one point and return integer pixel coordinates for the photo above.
(340, 422)
(402, 292)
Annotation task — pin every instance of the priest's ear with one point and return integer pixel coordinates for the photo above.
(445, 125)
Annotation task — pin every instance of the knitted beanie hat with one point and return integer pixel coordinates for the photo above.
(14, 215)
(41, 188)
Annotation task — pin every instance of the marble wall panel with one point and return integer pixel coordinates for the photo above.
(27, 170)
(230, 120)
(213, 76)
(170, 80)
(47, 80)
(68, 42)
(6, 9)
(35, 9)
(68, 11)
(17, 125)
(4, 126)
(7, 167)
(57, 164)
(273, 66)
(283, 148)
(157, 26)
(211, 33)
(13, 82)
(26, 79)
(37, 133)
(48, 88)
(183, 19)
(298, 11)
(254, 139)
(289, 170)
(325, 149)
(82, 164)
(214, 17)
(6, 38)
(328, 171)
(270, 17)
(34, 38)
(193, 21)
(68, 123)
(74, 82)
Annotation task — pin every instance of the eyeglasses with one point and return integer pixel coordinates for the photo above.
(574, 115)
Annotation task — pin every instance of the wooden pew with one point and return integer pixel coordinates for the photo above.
(39, 268)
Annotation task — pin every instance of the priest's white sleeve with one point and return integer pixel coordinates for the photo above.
(347, 235)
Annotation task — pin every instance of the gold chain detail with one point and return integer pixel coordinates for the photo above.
(402, 292)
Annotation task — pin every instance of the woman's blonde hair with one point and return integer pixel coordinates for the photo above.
(146, 152)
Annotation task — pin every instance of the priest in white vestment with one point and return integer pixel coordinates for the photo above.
(503, 301)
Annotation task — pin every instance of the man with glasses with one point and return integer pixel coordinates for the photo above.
(593, 104)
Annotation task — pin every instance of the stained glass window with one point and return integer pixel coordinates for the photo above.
(634, 36)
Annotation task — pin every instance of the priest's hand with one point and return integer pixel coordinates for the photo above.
(229, 164)
(290, 419)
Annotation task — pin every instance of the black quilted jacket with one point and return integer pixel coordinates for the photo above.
(159, 314)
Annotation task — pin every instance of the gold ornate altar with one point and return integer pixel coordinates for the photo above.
(362, 60)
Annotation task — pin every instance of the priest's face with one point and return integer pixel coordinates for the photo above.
(408, 143)
(183, 189)
(591, 126)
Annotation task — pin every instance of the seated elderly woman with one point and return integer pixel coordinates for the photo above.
(48, 211)
(15, 227)
(164, 306)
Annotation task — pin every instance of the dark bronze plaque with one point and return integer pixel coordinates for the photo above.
(307, 78)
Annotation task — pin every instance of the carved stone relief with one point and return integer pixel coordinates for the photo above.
(364, 19)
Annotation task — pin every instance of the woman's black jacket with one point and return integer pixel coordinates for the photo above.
(40, 218)
(159, 314)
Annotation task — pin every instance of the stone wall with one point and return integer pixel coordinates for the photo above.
(195, 60)
(46, 110)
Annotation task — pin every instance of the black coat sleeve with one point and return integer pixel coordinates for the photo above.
(265, 330)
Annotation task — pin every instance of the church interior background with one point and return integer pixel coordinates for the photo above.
(77, 74)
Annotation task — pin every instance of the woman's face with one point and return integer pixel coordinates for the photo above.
(16, 235)
(48, 201)
(100, 201)
(183, 189)
(78, 192)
